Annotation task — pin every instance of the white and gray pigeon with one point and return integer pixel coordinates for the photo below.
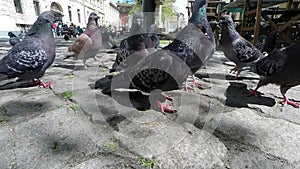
(88, 43)
(13, 39)
(29, 59)
(235, 47)
(280, 67)
(168, 68)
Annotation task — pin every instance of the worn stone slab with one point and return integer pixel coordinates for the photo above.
(23, 104)
(56, 139)
(153, 136)
(273, 136)
(256, 160)
(108, 162)
(199, 149)
(7, 150)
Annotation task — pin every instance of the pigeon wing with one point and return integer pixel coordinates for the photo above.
(79, 43)
(245, 51)
(26, 56)
(271, 65)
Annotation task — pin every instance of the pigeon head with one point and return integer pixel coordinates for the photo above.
(137, 22)
(199, 12)
(137, 18)
(93, 16)
(227, 22)
(153, 28)
(198, 5)
(10, 34)
(262, 38)
(93, 21)
(49, 16)
(44, 22)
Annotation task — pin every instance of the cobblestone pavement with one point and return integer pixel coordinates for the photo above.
(74, 125)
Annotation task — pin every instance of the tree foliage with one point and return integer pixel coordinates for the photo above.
(168, 8)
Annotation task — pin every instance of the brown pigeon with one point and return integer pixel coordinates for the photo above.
(88, 43)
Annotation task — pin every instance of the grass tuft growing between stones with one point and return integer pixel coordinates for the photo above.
(148, 163)
(75, 106)
(67, 94)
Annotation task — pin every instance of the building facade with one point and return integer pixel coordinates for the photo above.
(112, 14)
(20, 14)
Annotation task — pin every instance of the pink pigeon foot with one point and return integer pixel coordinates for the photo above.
(253, 93)
(233, 70)
(286, 101)
(42, 84)
(186, 87)
(165, 108)
(196, 83)
(168, 97)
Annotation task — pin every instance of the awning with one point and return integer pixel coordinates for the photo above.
(240, 3)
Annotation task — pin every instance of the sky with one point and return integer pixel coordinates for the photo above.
(180, 6)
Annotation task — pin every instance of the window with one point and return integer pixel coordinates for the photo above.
(18, 6)
(78, 14)
(36, 8)
(70, 13)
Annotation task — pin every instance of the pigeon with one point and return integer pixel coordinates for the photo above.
(13, 39)
(108, 41)
(136, 46)
(88, 43)
(29, 59)
(214, 25)
(153, 36)
(235, 47)
(269, 43)
(215, 28)
(261, 42)
(66, 37)
(168, 68)
(280, 67)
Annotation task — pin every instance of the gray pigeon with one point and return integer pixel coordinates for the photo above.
(269, 43)
(135, 47)
(280, 67)
(88, 43)
(169, 67)
(108, 41)
(29, 59)
(13, 39)
(235, 47)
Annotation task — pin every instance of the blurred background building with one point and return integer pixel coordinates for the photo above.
(19, 15)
